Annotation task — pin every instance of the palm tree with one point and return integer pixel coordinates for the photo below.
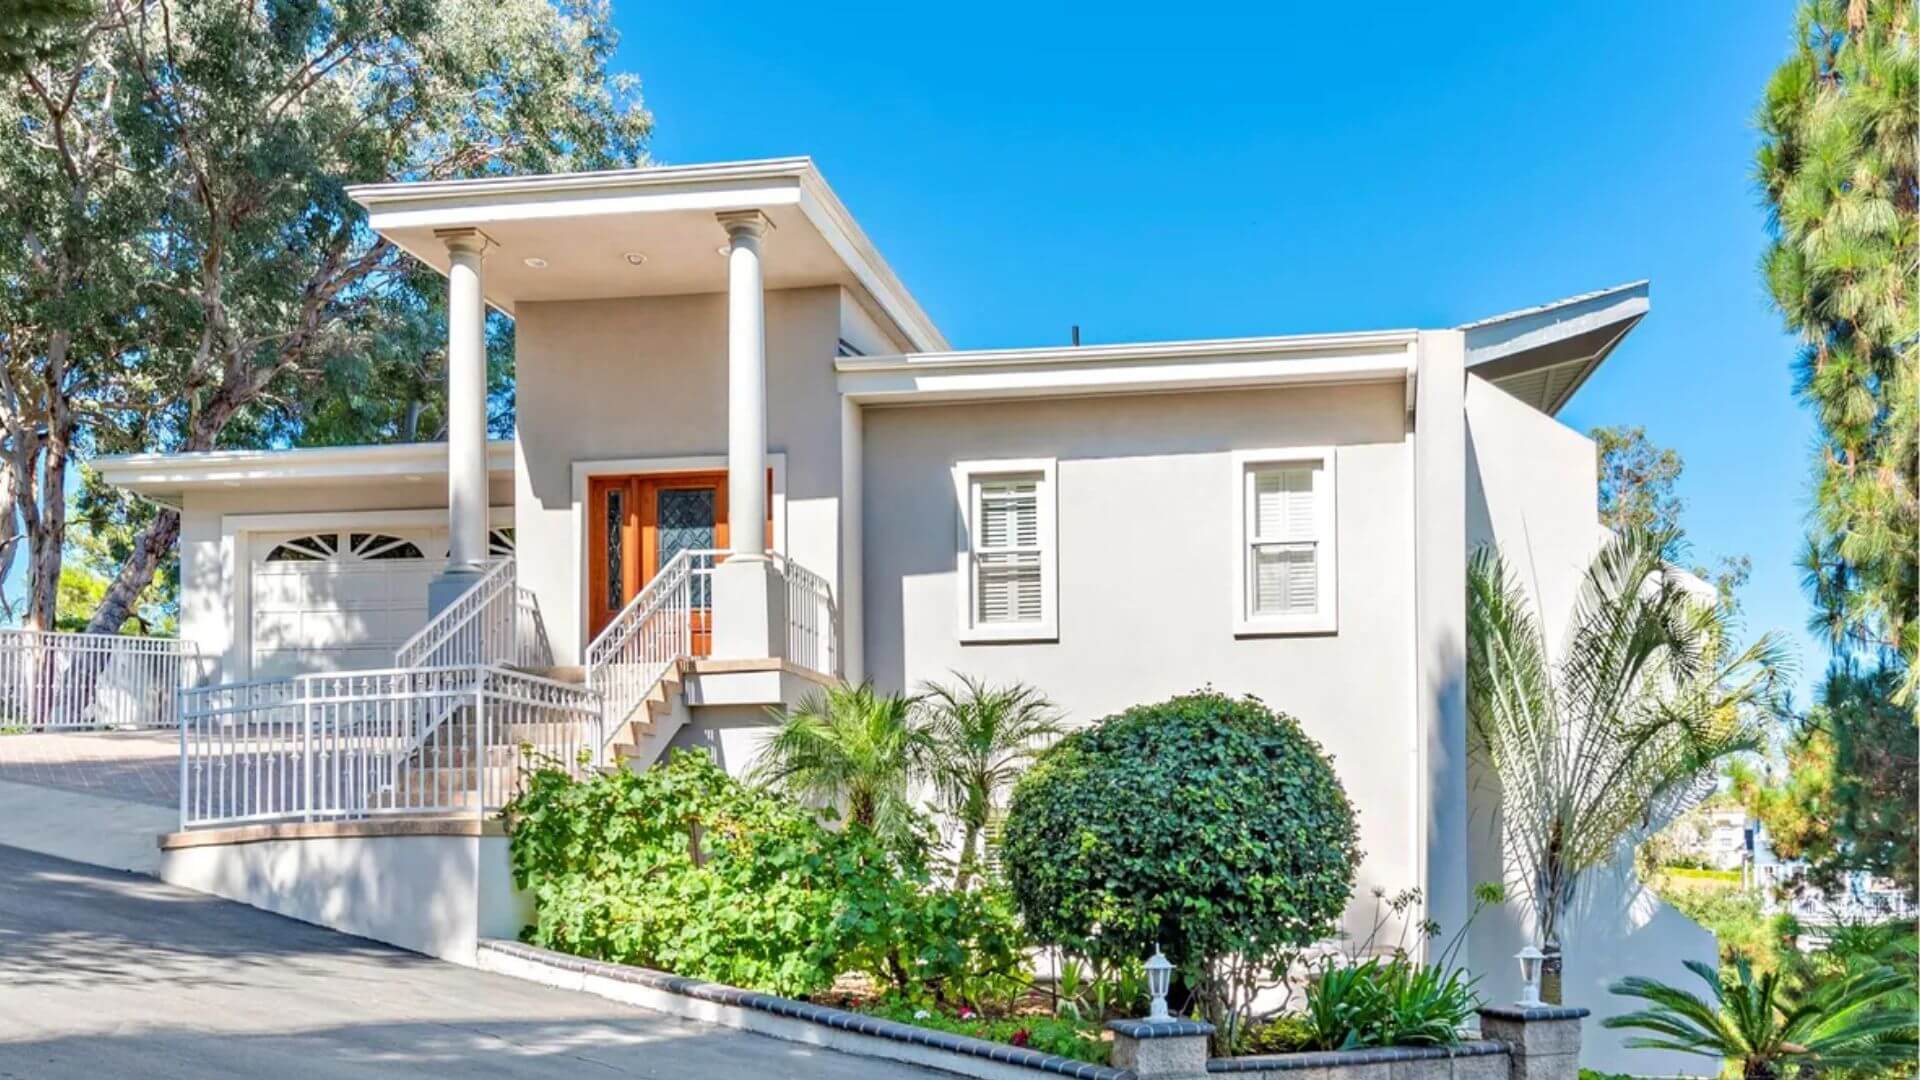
(1765, 1026)
(854, 749)
(983, 737)
(1622, 732)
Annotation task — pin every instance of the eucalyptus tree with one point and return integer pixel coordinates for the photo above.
(180, 266)
(1606, 743)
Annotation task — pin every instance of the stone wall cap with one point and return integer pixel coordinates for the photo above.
(1159, 1029)
(838, 1019)
(1537, 1012)
(1322, 1059)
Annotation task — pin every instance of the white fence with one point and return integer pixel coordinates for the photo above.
(54, 680)
(448, 740)
(813, 622)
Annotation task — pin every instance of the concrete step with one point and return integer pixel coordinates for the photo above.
(573, 674)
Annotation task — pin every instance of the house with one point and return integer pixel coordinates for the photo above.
(715, 358)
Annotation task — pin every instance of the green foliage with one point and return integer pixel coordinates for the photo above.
(1278, 1035)
(684, 869)
(855, 750)
(1848, 796)
(1206, 824)
(1393, 1002)
(1624, 729)
(982, 738)
(1739, 922)
(1766, 1025)
(1636, 481)
(181, 267)
(1837, 166)
(1047, 1034)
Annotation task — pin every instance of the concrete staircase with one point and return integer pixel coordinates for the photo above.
(640, 738)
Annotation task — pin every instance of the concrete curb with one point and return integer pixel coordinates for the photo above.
(782, 1018)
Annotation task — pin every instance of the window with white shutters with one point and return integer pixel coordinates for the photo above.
(1006, 564)
(1282, 538)
(1006, 551)
(1286, 553)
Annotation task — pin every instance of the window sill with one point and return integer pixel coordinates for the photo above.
(1027, 633)
(1289, 627)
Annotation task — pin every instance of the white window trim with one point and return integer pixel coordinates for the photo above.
(1325, 620)
(1048, 628)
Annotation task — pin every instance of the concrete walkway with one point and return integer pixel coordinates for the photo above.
(109, 974)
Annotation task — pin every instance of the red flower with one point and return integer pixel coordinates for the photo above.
(1020, 1037)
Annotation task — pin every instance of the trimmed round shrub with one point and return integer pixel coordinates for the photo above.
(1208, 824)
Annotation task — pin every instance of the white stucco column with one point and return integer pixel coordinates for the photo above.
(746, 384)
(749, 598)
(467, 510)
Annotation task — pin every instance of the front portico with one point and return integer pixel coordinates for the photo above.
(663, 316)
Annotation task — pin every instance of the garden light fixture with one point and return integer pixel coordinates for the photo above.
(1530, 961)
(1159, 977)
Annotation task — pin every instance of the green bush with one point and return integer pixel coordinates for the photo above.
(1395, 1002)
(684, 869)
(1280, 1035)
(1206, 824)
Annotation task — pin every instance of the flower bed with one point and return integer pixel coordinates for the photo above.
(1047, 1034)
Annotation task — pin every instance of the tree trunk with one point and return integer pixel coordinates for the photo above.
(150, 548)
(47, 537)
(1550, 979)
(969, 841)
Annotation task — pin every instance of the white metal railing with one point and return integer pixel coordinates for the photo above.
(54, 679)
(813, 622)
(349, 745)
(670, 619)
(478, 628)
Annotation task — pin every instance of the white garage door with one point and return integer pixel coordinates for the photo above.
(337, 601)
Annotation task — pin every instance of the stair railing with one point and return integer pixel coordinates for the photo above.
(656, 630)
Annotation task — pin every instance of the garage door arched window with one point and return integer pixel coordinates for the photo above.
(500, 543)
(371, 546)
(320, 547)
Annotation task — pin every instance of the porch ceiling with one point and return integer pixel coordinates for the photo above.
(580, 229)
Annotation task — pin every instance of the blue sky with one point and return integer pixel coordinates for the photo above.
(1231, 172)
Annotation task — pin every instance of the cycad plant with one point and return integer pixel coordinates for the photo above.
(1622, 731)
(983, 737)
(858, 751)
(1766, 1026)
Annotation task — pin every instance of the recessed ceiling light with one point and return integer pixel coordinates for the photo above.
(723, 250)
(635, 258)
(535, 262)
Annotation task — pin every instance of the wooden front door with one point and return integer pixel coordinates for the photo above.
(637, 524)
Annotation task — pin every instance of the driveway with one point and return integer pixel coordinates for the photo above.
(111, 974)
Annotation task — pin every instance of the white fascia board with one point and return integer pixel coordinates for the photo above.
(862, 259)
(156, 473)
(1128, 369)
(747, 185)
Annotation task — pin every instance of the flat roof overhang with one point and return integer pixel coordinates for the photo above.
(1147, 368)
(581, 229)
(1543, 354)
(166, 478)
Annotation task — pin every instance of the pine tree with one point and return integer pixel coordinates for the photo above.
(1837, 167)
(1841, 126)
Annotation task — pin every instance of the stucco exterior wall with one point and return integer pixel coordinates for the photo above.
(606, 381)
(1148, 559)
(1531, 491)
(214, 560)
